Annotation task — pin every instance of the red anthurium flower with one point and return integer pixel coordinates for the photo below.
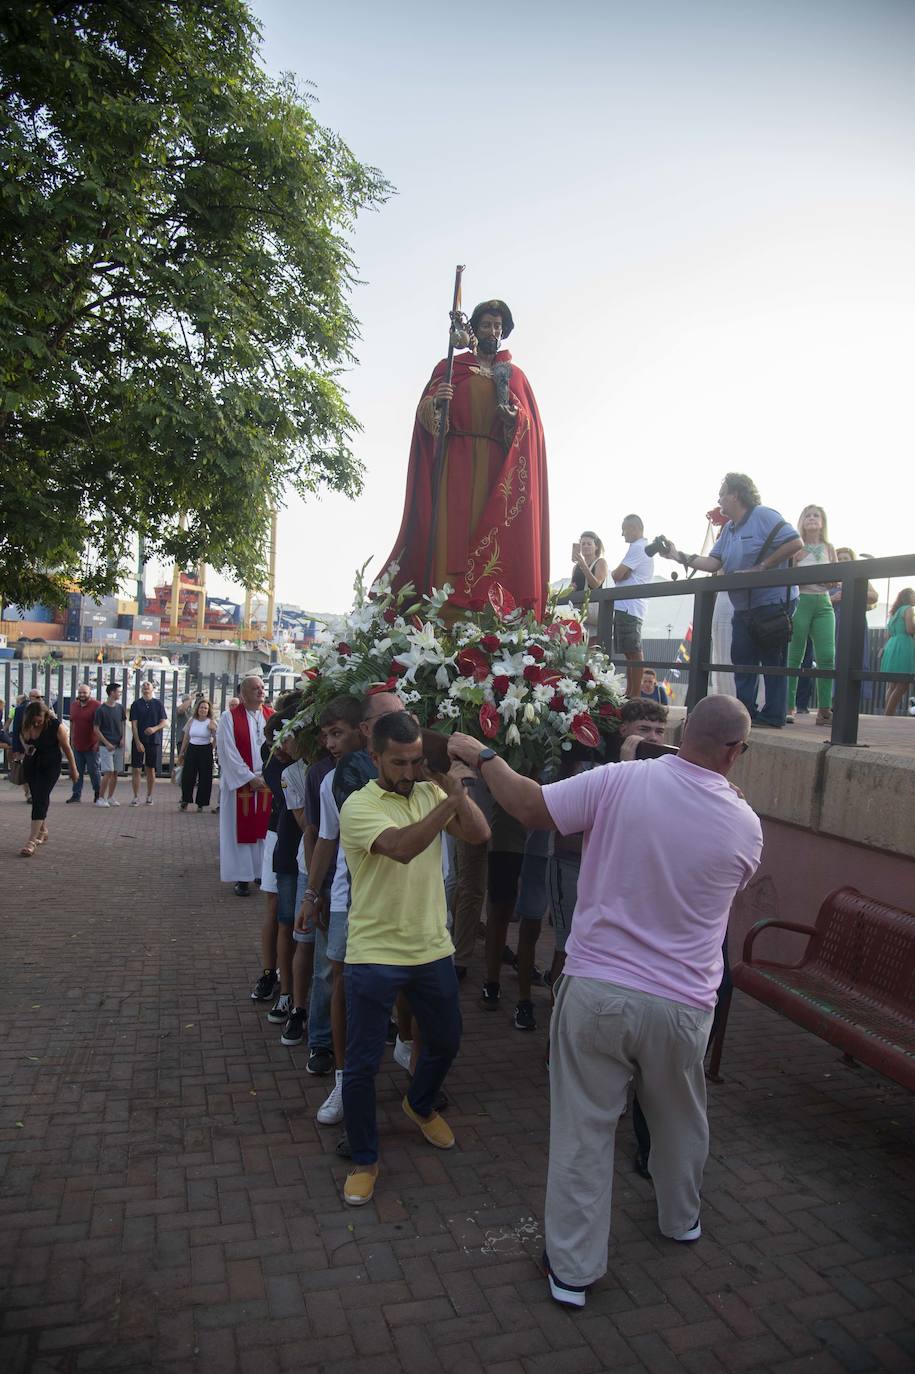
(586, 675)
(501, 600)
(717, 516)
(398, 668)
(491, 643)
(536, 651)
(489, 721)
(549, 676)
(573, 631)
(557, 702)
(311, 674)
(585, 731)
(500, 686)
(344, 649)
(378, 687)
(472, 663)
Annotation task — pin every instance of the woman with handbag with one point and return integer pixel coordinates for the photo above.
(44, 741)
(196, 756)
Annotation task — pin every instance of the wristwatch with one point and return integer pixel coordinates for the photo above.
(484, 756)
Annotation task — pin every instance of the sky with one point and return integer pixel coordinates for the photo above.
(702, 216)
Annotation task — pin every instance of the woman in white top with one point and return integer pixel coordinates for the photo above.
(196, 755)
(814, 617)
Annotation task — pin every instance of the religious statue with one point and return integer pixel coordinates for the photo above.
(476, 512)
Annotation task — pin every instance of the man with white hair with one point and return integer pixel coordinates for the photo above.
(643, 965)
(244, 797)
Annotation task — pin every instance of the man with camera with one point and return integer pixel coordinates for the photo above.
(755, 539)
(636, 566)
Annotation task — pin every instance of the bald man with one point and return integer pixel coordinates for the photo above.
(245, 798)
(643, 965)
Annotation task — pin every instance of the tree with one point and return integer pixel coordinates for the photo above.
(174, 279)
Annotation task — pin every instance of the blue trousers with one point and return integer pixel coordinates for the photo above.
(744, 650)
(432, 992)
(86, 761)
(319, 1033)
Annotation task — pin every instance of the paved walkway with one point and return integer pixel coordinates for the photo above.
(168, 1204)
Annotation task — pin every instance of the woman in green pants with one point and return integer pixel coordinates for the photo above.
(814, 617)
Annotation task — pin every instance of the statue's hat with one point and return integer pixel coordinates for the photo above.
(493, 308)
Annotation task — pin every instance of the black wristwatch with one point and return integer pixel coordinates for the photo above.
(484, 756)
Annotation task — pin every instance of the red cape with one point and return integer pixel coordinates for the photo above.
(252, 808)
(509, 544)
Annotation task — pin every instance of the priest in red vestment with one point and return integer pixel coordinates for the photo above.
(489, 534)
(244, 797)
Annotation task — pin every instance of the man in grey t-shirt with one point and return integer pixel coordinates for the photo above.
(109, 731)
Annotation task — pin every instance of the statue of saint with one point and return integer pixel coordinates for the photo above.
(486, 531)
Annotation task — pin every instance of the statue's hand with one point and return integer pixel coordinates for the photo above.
(444, 394)
(509, 414)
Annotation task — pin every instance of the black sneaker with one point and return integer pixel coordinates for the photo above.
(320, 1061)
(563, 1293)
(294, 1029)
(279, 1012)
(491, 996)
(77, 800)
(524, 1017)
(240, 889)
(265, 986)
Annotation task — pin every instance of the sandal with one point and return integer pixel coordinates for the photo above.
(28, 849)
(42, 838)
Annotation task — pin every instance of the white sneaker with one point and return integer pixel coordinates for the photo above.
(332, 1111)
(135, 802)
(403, 1052)
(100, 801)
(112, 802)
(149, 801)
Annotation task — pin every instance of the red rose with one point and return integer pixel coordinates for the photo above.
(500, 686)
(607, 708)
(389, 616)
(378, 687)
(344, 649)
(536, 651)
(473, 663)
(491, 643)
(532, 673)
(489, 721)
(476, 603)
(585, 731)
(557, 702)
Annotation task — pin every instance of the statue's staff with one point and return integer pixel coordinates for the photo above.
(459, 337)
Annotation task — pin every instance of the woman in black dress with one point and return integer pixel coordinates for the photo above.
(44, 740)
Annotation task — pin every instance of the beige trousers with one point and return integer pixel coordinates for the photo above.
(602, 1036)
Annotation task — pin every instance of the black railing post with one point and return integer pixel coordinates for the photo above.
(700, 649)
(605, 626)
(849, 659)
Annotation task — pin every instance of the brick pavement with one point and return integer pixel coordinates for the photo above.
(168, 1203)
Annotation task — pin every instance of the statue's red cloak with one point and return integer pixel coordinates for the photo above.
(507, 545)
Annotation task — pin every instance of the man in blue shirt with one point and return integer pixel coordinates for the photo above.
(737, 549)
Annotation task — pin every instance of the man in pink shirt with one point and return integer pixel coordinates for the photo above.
(643, 964)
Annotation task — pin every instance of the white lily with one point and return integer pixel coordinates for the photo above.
(513, 735)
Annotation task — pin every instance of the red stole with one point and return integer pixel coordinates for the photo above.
(252, 805)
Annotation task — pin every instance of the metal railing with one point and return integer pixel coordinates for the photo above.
(58, 683)
(849, 671)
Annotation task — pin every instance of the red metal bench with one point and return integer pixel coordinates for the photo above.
(854, 987)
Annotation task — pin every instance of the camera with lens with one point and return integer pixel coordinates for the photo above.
(662, 545)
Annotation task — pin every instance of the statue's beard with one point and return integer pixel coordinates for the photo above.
(489, 345)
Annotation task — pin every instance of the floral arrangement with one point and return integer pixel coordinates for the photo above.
(532, 689)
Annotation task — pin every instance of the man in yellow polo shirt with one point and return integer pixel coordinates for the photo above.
(398, 939)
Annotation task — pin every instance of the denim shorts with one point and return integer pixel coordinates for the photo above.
(290, 889)
(562, 879)
(337, 931)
